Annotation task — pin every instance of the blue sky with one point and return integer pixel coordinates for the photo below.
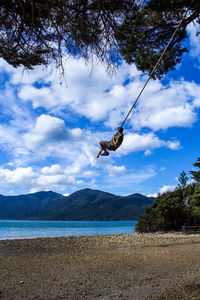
(49, 132)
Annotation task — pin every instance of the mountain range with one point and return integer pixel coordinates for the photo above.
(83, 205)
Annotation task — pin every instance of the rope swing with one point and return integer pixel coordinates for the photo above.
(156, 65)
(152, 72)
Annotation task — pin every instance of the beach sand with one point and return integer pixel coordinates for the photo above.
(130, 266)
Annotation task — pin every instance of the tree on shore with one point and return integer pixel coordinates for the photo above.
(38, 32)
(195, 204)
(195, 199)
(171, 210)
(165, 214)
(183, 179)
(196, 174)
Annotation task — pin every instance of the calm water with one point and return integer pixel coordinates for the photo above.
(10, 229)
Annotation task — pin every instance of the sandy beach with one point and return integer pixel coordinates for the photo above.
(133, 266)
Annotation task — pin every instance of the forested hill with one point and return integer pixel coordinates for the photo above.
(26, 206)
(86, 204)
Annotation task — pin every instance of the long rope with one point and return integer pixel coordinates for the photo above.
(152, 72)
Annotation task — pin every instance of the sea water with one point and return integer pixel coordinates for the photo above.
(12, 229)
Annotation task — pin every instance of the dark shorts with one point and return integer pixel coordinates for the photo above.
(107, 145)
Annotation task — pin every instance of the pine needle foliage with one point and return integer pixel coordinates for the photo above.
(171, 210)
(38, 32)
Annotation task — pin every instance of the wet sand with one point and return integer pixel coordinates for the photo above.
(133, 266)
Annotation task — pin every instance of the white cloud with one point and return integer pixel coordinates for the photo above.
(153, 195)
(91, 96)
(115, 170)
(172, 106)
(39, 97)
(66, 194)
(60, 178)
(101, 99)
(18, 178)
(167, 188)
(47, 130)
(145, 142)
(193, 28)
(56, 180)
(49, 137)
(169, 117)
(90, 174)
(173, 145)
(162, 190)
(52, 170)
(32, 180)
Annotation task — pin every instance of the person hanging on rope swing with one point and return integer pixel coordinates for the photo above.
(113, 144)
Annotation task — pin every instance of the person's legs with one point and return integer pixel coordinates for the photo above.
(103, 145)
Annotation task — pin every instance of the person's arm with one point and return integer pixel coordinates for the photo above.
(113, 139)
(118, 141)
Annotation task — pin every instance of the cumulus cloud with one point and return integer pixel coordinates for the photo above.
(163, 189)
(46, 130)
(50, 137)
(167, 188)
(45, 137)
(31, 180)
(172, 106)
(115, 170)
(59, 178)
(99, 99)
(66, 194)
(52, 170)
(59, 126)
(153, 195)
(145, 142)
(91, 96)
(169, 117)
(39, 97)
(18, 178)
(94, 97)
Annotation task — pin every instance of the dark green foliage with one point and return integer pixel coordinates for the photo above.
(41, 31)
(183, 179)
(196, 174)
(171, 210)
(85, 204)
(25, 206)
(95, 205)
(165, 214)
(195, 204)
(146, 32)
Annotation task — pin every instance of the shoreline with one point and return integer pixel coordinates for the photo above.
(52, 229)
(154, 236)
(124, 267)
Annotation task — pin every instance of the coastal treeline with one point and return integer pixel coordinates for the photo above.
(173, 210)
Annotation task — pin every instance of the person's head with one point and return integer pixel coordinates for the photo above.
(120, 129)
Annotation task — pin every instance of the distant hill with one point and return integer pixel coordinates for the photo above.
(86, 204)
(25, 206)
